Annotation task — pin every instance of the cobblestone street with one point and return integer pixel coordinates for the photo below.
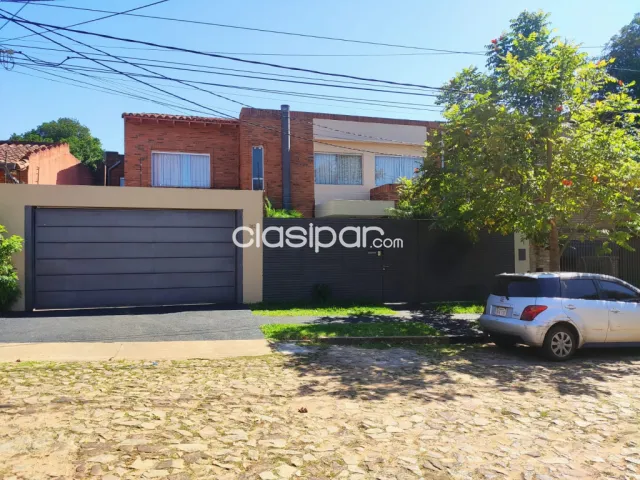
(342, 412)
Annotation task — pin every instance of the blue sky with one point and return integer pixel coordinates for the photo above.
(453, 24)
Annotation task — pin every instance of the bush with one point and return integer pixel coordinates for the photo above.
(271, 212)
(9, 286)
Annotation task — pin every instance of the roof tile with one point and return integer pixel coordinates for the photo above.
(183, 118)
(18, 153)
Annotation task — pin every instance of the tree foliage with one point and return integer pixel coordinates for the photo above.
(537, 145)
(84, 146)
(9, 287)
(624, 48)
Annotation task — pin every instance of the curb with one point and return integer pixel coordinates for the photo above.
(421, 340)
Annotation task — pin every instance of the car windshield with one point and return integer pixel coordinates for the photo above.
(517, 287)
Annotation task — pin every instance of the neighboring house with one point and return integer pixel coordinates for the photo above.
(334, 165)
(110, 171)
(39, 163)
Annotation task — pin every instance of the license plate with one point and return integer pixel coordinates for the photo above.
(501, 311)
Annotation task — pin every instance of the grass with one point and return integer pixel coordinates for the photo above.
(454, 307)
(330, 310)
(301, 331)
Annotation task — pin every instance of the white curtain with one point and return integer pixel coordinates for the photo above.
(181, 170)
(334, 169)
(390, 168)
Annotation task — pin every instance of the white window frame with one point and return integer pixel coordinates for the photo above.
(340, 184)
(180, 153)
(253, 177)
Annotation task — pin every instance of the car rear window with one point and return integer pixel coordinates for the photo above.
(517, 287)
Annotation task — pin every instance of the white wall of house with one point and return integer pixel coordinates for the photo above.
(344, 136)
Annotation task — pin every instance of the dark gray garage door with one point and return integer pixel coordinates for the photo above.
(108, 258)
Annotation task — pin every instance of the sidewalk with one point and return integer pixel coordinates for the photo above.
(98, 351)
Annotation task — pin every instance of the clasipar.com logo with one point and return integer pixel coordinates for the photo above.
(315, 237)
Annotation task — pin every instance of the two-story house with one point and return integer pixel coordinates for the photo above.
(320, 164)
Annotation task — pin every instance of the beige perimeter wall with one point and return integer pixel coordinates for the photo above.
(14, 199)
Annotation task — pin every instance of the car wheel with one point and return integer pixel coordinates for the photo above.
(560, 343)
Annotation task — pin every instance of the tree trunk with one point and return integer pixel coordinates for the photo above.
(554, 248)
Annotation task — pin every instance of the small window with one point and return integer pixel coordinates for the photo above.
(180, 170)
(615, 291)
(521, 287)
(390, 169)
(580, 289)
(122, 181)
(337, 169)
(257, 164)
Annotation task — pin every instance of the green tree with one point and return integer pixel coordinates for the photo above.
(624, 48)
(84, 146)
(536, 145)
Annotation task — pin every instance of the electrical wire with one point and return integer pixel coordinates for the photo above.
(19, 10)
(57, 28)
(262, 30)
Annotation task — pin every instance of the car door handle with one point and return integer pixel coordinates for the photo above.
(614, 310)
(571, 307)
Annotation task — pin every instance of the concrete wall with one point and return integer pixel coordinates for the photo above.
(330, 130)
(57, 166)
(14, 199)
(324, 193)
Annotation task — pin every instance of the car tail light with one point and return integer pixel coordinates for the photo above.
(532, 311)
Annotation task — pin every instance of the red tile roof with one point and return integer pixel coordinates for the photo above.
(180, 118)
(17, 154)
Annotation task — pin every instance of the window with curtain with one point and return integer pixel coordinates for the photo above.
(257, 161)
(337, 169)
(189, 170)
(389, 169)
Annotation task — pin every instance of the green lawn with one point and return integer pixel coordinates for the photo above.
(452, 307)
(298, 331)
(295, 310)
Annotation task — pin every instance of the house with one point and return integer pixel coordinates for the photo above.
(110, 171)
(328, 165)
(40, 163)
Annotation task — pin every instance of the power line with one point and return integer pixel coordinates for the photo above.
(112, 14)
(19, 10)
(210, 67)
(226, 57)
(278, 32)
(178, 96)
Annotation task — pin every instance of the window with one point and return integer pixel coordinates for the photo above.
(337, 169)
(122, 181)
(580, 289)
(257, 167)
(615, 291)
(191, 170)
(389, 168)
(519, 287)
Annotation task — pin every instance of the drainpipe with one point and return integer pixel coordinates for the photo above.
(106, 180)
(285, 122)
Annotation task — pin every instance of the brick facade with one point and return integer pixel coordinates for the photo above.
(385, 192)
(230, 143)
(219, 140)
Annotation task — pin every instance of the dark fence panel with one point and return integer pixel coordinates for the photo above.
(589, 257)
(431, 265)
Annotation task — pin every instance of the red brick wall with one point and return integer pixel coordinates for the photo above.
(221, 142)
(385, 192)
(57, 166)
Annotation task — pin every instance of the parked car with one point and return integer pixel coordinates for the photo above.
(561, 312)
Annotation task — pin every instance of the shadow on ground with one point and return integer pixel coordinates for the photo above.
(440, 374)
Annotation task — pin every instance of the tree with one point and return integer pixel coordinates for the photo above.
(536, 145)
(82, 144)
(624, 48)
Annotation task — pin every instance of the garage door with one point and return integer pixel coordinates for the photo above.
(107, 258)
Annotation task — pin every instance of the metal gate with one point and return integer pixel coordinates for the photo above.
(84, 258)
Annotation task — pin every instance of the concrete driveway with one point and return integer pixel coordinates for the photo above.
(133, 325)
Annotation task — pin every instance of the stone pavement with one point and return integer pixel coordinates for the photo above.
(343, 412)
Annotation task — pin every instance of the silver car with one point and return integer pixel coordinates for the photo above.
(561, 312)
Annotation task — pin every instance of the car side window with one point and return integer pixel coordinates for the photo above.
(615, 291)
(582, 289)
